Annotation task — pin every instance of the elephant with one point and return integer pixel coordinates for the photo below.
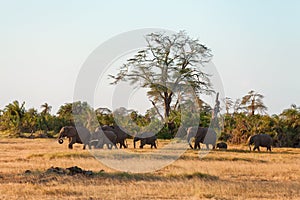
(263, 140)
(202, 135)
(221, 145)
(100, 138)
(121, 135)
(146, 138)
(79, 135)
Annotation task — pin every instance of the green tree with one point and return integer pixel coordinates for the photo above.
(45, 117)
(65, 114)
(79, 113)
(290, 123)
(165, 66)
(46, 108)
(13, 115)
(30, 121)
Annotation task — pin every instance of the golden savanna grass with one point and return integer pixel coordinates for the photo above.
(232, 174)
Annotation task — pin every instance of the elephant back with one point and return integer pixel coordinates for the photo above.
(110, 135)
(84, 134)
(210, 136)
(265, 140)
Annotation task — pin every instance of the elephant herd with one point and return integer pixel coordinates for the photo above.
(113, 135)
(104, 135)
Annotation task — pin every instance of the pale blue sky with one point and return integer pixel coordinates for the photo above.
(43, 44)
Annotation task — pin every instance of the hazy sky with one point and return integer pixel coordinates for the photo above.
(43, 44)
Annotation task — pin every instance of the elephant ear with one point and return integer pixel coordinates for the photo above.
(72, 132)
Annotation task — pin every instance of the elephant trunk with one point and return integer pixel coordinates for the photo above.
(60, 139)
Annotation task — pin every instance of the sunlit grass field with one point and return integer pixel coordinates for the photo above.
(232, 174)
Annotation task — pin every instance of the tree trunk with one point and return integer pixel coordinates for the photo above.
(252, 107)
(167, 105)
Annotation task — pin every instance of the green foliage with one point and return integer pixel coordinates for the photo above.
(238, 126)
(284, 129)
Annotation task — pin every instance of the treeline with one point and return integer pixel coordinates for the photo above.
(242, 118)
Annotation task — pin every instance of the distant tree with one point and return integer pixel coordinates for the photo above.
(290, 124)
(46, 108)
(65, 113)
(237, 106)
(30, 120)
(165, 66)
(253, 102)
(79, 113)
(228, 104)
(104, 116)
(13, 115)
(45, 117)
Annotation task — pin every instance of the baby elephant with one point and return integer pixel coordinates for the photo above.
(146, 138)
(221, 145)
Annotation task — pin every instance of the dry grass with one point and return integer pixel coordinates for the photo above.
(232, 174)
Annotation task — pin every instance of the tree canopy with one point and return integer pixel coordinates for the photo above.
(166, 67)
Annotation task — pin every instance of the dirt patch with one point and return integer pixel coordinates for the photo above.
(66, 171)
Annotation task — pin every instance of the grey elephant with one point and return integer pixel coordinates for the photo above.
(100, 138)
(206, 136)
(263, 140)
(121, 135)
(221, 145)
(79, 135)
(145, 138)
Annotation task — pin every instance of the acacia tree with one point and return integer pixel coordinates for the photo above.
(228, 104)
(253, 102)
(165, 67)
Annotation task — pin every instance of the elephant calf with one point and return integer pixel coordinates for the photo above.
(101, 138)
(221, 145)
(146, 138)
(262, 140)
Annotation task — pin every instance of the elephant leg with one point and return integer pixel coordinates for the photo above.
(154, 144)
(124, 145)
(134, 141)
(100, 144)
(142, 144)
(195, 145)
(72, 141)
